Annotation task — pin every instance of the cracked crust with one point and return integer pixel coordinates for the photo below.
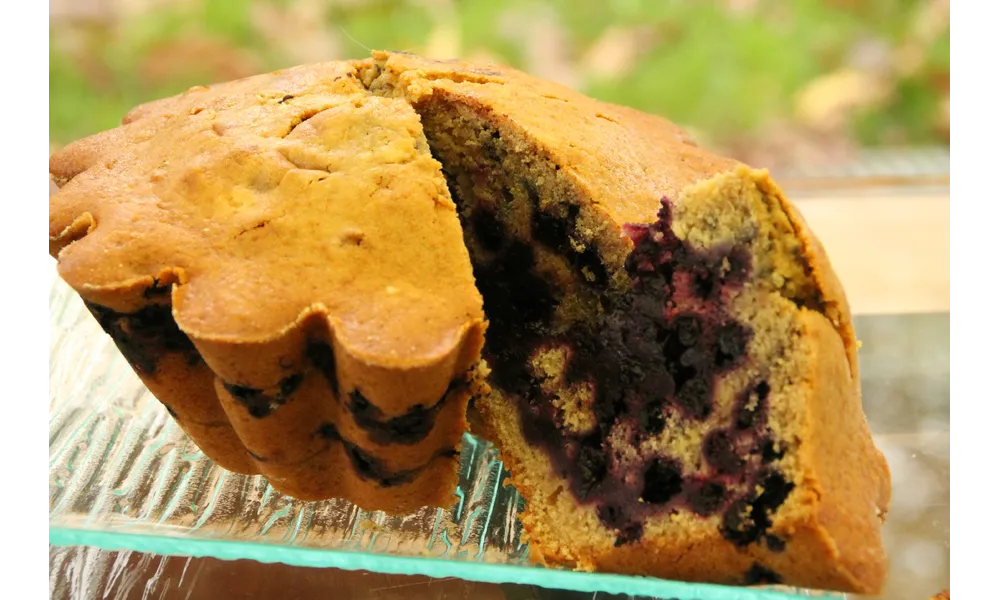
(270, 213)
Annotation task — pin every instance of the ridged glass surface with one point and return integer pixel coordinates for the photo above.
(122, 475)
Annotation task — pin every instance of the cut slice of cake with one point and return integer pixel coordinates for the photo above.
(673, 364)
(279, 260)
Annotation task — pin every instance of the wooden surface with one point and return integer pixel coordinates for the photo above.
(891, 252)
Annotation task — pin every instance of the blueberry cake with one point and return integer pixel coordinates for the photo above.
(281, 263)
(302, 266)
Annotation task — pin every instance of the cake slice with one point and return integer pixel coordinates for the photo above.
(279, 260)
(673, 365)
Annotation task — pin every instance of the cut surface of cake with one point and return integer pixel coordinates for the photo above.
(673, 364)
(301, 266)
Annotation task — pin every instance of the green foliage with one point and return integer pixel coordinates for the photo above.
(478, 22)
(714, 72)
(402, 26)
(721, 71)
(230, 19)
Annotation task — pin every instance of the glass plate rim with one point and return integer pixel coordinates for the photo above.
(223, 549)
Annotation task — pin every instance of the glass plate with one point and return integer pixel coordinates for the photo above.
(122, 475)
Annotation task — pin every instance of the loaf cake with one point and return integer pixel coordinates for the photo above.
(302, 266)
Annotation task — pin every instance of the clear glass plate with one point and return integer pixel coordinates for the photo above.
(122, 475)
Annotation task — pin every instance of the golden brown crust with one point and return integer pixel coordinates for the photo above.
(191, 393)
(846, 475)
(285, 210)
(835, 305)
(626, 159)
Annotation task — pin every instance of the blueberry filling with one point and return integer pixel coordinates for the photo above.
(751, 407)
(321, 357)
(369, 467)
(144, 337)
(256, 457)
(662, 481)
(366, 465)
(651, 420)
(814, 302)
(748, 520)
(532, 191)
(649, 357)
(493, 149)
(760, 575)
(695, 396)
(288, 385)
(408, 428)
(706, 497)
(615, 516)
(555, 232)
(688, 329)
(156, 290)
(644, 360)
(629, 533)
(593, 468)
(769, 451)
(720, 452)
(258, 402)
(774, 543)
(488, 230)
(328, 431)
(733, 339)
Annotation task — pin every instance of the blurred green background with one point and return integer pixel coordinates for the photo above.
(772, 82)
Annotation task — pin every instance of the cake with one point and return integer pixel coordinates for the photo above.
(279, 260)
(670, 369)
